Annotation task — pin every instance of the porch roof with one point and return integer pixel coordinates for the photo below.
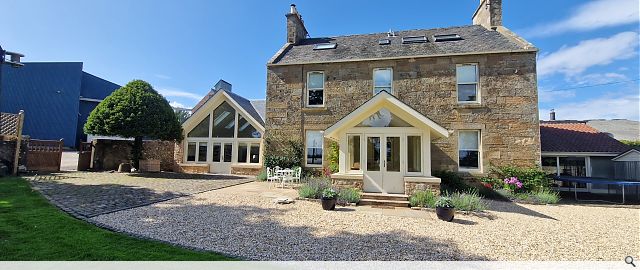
(384, 100)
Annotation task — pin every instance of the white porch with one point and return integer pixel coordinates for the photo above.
(385, 147)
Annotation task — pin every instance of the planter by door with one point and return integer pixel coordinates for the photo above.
(445, 213)
(329, 204)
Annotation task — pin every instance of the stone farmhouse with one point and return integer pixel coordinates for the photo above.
(403, 104)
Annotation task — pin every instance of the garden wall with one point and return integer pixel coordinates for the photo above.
(108, 154)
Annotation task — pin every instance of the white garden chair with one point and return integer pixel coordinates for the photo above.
(297, 172)
(271, 176)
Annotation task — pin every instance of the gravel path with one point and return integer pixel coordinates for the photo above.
(243, 221)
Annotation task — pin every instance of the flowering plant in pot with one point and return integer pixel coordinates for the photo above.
(329, 199)
(445, 209)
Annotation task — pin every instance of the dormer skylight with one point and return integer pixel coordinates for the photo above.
(414, 39)
(384, 41)
(446, 37)
(325, 46)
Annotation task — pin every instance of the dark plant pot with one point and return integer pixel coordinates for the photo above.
(329, 204)
(445, 213)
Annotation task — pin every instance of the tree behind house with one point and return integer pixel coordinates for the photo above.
(135, 111)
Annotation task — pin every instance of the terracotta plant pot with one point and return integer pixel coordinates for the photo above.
(329, 204)
(445, 213)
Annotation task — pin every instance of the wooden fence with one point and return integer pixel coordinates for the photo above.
(44, 156)
(627, 170)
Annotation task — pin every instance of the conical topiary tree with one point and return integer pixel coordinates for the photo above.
(135, 111)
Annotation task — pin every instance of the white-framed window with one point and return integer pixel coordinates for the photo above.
(354, 143)
(414, 153)
(469, 149)
(467, 83)
(315, 89)
(248, 152)
(313, 148)
(382, 80)
(197, 151)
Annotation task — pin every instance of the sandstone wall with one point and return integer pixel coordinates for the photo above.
(108, 154)
(507, 116)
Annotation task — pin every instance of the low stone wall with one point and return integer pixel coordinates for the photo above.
(347, 181)
(240, 170)
(8, 150)
(411, 186)
(192, 168)
(108, 154)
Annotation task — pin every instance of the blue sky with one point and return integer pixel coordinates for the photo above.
(184, 47)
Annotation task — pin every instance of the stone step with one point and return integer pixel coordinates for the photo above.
(391, 203)
(385, 197)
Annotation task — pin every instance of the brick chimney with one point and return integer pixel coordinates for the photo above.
(488, 14)
(295, 26)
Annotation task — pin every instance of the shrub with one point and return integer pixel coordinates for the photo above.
(351, 195)
(547, 196)
(283, 152)
(262, 176)
(533, 179)
(451, 181)
(333, 157)
(313, 188)
(423, 198)
(444, 202)
(329, 193)
(468, 201)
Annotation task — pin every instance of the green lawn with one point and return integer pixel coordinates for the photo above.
(33, 229)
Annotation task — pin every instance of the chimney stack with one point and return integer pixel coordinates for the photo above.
(552, 115)
(295, 26)
(488, 14)
(222, 85)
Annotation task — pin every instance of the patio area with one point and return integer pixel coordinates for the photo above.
(89, 194)
(243, 221)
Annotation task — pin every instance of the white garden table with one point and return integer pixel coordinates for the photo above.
(285, 175)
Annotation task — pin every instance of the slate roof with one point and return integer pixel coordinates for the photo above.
(576, 136)
(476, 39)
(243, 102)
(621, 129)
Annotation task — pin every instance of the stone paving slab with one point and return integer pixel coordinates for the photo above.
(90, 194)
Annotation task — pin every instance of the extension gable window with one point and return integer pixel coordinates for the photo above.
(382, 80)
(467, 81)
(314, 141)
(315, 89)
(469, 149)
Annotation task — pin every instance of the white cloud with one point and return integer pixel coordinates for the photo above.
(548, 96)
(620, 107)
(590, 16)
(574, 60)
(176, 104)
(599, 78)
(179, 93)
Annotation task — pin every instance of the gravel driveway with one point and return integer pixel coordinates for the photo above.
(243, 221)
(89, 194)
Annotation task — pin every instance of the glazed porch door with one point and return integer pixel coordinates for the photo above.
(221, 157)
(382, 172)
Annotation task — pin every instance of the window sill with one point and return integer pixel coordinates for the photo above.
(470, 105)
(314, 109)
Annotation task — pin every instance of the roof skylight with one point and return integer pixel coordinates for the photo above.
(414, 39)
(446, 37)
(384, 41)
(325, 46)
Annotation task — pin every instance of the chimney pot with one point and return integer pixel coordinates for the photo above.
(293, 9)
(552, 115)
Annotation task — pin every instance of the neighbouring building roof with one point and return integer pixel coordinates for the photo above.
(621, 129)
(576, 136)
(475, 39)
